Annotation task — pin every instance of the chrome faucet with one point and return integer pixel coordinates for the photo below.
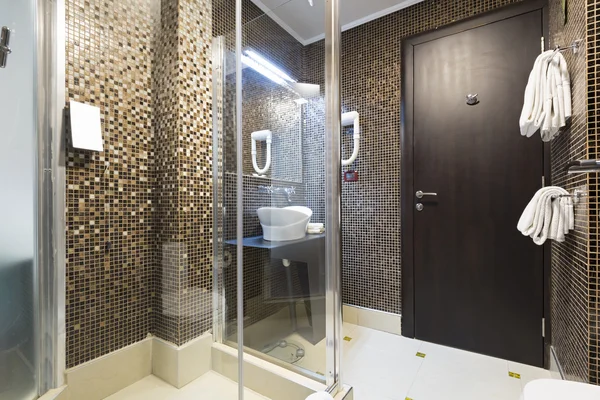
(289, 191)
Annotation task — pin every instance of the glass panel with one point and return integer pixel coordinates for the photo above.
(17, 206)
(283, 135)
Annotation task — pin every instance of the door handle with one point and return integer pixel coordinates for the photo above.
(4, 49)
(420, 194)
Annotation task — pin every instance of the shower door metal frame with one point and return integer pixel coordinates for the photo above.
(333, 199)
(48, 24)
(51, 251)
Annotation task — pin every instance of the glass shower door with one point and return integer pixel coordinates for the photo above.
(17, 201)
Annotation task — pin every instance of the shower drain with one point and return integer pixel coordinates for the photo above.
(285, 350)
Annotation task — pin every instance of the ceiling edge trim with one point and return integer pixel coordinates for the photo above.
(279, 21)
(364, 20)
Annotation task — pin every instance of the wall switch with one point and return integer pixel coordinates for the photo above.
(350, 176)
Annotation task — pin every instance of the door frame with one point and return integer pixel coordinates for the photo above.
(407, 161)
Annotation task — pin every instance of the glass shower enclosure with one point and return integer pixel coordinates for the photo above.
(30, 347)
(18, 178)
(276, 197)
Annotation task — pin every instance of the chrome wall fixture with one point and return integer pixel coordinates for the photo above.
(582, 166)
(4, 49)
(472, 99)
(575, 46)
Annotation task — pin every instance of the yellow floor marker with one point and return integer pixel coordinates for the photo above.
(422, 355)
(514, 375)
(347, 338)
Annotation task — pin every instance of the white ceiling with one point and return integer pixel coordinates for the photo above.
(307, 24)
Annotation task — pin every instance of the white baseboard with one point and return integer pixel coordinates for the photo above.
(56, 394)
(374, 319)
(178, 366)
(106, 375)
(266, 379)
(345, 394)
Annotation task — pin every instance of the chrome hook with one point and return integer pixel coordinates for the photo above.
(472, 99)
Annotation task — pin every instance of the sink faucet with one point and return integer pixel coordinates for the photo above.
(289, 191)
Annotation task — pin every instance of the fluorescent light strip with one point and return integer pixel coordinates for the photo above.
(262, 70)
(268, 65)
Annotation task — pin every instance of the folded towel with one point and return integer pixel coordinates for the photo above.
(547, 100)
(533, 103)
(566, 84)
(570, 215)
(547, 216)
(530, 218)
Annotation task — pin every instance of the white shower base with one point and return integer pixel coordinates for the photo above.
(210, 386)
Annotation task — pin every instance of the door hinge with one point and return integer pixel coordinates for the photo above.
(543, 44)
(543, 181)
(543, 327)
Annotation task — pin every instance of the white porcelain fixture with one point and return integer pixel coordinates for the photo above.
(352, 118)
(262, 136)
(282, 224)
(554, 389)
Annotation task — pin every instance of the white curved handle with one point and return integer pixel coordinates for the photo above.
(348, 118)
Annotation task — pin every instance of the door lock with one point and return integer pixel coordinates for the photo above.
(419, 207)
(4, 49)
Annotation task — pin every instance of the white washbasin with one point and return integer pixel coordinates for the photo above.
(281, 224)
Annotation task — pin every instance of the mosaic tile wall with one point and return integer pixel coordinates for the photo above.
(139, 255)
(109, 232)
(183, 278)
(569, 259)
(370, 63)
(593, 125)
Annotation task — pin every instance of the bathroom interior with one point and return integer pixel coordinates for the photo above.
(238, 199)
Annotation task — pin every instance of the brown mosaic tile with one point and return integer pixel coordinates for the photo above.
(183, 278)
(109, 232)
(569, 259)
(592, 53)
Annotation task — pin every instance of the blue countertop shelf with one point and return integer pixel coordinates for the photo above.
(259, 242)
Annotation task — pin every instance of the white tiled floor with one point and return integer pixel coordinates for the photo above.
(210, 386)
(380, 366)
(383, 366)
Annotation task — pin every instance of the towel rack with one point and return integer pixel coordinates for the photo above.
(575, 46)
(582, 166)
(576, 195)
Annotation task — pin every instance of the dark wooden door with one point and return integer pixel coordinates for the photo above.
(478, 283)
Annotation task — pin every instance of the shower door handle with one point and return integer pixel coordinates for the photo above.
(4, 49)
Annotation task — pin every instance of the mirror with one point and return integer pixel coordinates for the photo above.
(273, 109)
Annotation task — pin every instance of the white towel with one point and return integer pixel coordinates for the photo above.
(566, 84)
(532, 113)
(547, 216)
(570, 215)
(533, 213)
(543, 223)
(547, 101)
